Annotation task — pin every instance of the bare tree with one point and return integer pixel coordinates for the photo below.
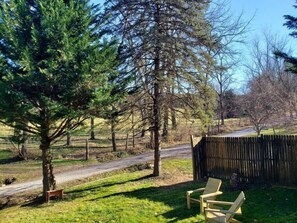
(231, 31)
(262, 103)
(266, 100)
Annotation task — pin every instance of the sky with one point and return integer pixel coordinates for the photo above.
(268, 15)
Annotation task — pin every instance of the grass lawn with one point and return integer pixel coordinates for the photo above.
(277, 131)
(130, 196)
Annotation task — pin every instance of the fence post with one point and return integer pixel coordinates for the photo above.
(127, 138)
(193, 159)
(87, 149)
(263, 175)
(203, 157)
(69, 139)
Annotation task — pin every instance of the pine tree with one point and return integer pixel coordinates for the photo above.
(291, 23)
(53, 66)
(154, 34)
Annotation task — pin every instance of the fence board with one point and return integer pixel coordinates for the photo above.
(270, 159)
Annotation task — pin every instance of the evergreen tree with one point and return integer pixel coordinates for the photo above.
(117, 104)
(291, 23)
(53, 67)
(164, 41)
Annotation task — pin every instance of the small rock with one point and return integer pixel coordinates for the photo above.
(8, 181)
(149, 166)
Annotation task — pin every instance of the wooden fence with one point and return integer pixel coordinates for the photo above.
(265, 159)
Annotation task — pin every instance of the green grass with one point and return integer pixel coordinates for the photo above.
(128, 197)
(270, 131)
(5, 154)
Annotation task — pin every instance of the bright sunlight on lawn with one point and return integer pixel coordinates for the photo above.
(131, 196)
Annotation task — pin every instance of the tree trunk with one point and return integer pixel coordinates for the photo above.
(222, 111)
(157, 147)
(24, 148)
(113, 136)
(144, 112)
(69, 139)
(151, 139)
(142, 132)
(173, 116)
(165, 124)
(157, 99)
(218, 126)
(258, 130)
(133, 129)
(127, 138)
(49, 182)
(87, 150)
(167, 96)
(173, 119)
(92, 129)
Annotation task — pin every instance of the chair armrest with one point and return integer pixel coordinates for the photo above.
(219, 211)
(219, 202)
(211, 194)
(238, 212)
(197, 190)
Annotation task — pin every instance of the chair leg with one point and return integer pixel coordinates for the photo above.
(188, 200)
(201, 205)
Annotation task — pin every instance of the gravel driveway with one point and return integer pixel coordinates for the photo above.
(178, 151)
(239, 133)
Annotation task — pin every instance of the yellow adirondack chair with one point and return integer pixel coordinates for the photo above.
(209, 192)
(224, 216)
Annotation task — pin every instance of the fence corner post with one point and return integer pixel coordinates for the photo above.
(262, 174)
(193, 158)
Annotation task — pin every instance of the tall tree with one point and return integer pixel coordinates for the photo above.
(231, 103)
(262, 103)
(291, 23)
(223, 80)
(154, 31)
(266, 99)
(117, 103)
(53, 66)
(231, 30)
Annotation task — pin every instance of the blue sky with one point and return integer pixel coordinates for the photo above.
(268, 17)
(268, 13)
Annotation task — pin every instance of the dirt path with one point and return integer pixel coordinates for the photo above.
(178, 151)
(239, 133)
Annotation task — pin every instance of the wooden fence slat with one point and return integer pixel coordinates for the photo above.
(269, 159)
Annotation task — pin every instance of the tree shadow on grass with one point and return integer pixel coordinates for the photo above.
(36, 202)
(78, 193)
(173, 196)
(10, 160)
(262, 205)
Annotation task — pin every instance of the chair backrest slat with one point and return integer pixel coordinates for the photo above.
(213, 185)
(236, 205)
